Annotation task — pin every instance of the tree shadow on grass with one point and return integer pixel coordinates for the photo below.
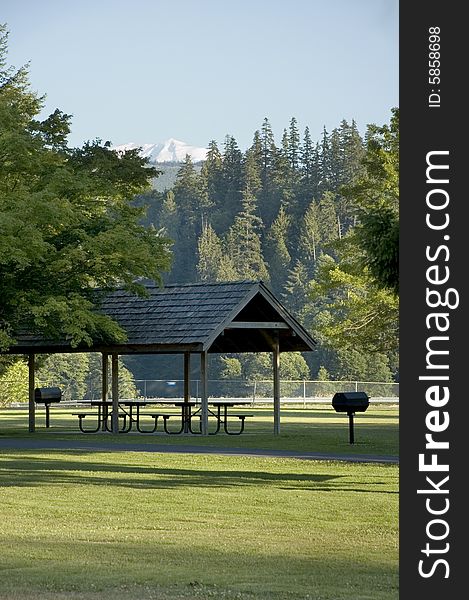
(27, 471)
(21, 471)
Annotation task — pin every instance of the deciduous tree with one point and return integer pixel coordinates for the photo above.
(67, 222)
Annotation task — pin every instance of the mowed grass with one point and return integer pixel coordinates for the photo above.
(89, 525)
(316, 429)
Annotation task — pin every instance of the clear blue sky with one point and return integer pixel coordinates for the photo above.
(146, 70)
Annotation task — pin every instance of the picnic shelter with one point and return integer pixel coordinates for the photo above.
(193, 319)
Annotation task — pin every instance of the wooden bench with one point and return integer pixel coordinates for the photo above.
(242, 418)
(166, 418)
(154, 416)
(82, 415)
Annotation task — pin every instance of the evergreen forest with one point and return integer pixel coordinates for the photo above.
(316, 220)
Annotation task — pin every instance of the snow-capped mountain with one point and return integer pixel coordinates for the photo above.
(169, 151)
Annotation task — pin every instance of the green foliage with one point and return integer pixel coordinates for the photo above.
(277, 252)
(244, 242)
(214, 264)
(14, 384)
(67, 371)
(127, 388)
(258, 366)
(79, 376)
(231, 368)
(67, 222)
(349, 310)
(376, 195)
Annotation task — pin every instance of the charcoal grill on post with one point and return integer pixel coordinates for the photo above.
(350, 402)
(47, 396)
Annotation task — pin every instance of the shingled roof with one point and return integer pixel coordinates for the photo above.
(216, 317)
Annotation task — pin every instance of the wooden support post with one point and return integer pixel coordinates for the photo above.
(187, 376)
(104, 385)
(32, 404)
(187, 388)
(276, 369)
(115, 392)
(105, 377)
(204, 393)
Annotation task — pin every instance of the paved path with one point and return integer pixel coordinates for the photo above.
(35, 443)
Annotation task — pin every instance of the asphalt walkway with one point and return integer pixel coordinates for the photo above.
(36, 443)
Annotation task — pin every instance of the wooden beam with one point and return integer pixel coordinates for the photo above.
(204, 393)
(276, 369)
(115, 392)
(32, 404)
(257, 325)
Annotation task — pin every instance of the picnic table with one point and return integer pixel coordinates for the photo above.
(222, 416)
(130, 415)
(103, 416)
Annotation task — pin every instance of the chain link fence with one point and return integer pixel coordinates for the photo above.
(259, 392)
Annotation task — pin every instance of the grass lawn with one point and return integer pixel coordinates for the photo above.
(129, 525)
(102, 525)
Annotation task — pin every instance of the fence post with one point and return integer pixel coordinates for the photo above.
(254, 392)
(304, 393)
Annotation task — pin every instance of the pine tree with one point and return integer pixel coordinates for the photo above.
(269, 197)
(310, 237)
(190, 216)
(211, 177)
(244, 241)
(277, 253)
(308, 187)
(269, 151)
(232, 185)
(329, 225)
(296, 285)
(336, 161)
(284, 176)
(294, 145)
(252, 171)
(353, 153)
(214, 264)
(319, 229)
(325, 173)
(187, 192)
(307, 165)
(169, 217)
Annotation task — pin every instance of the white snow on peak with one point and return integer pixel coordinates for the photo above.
(170, 150)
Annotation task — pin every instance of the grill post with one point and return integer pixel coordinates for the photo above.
(350, 428)
(350, 403)
(47, 396)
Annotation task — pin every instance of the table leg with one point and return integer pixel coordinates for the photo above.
(165, 423)
(218, 416)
